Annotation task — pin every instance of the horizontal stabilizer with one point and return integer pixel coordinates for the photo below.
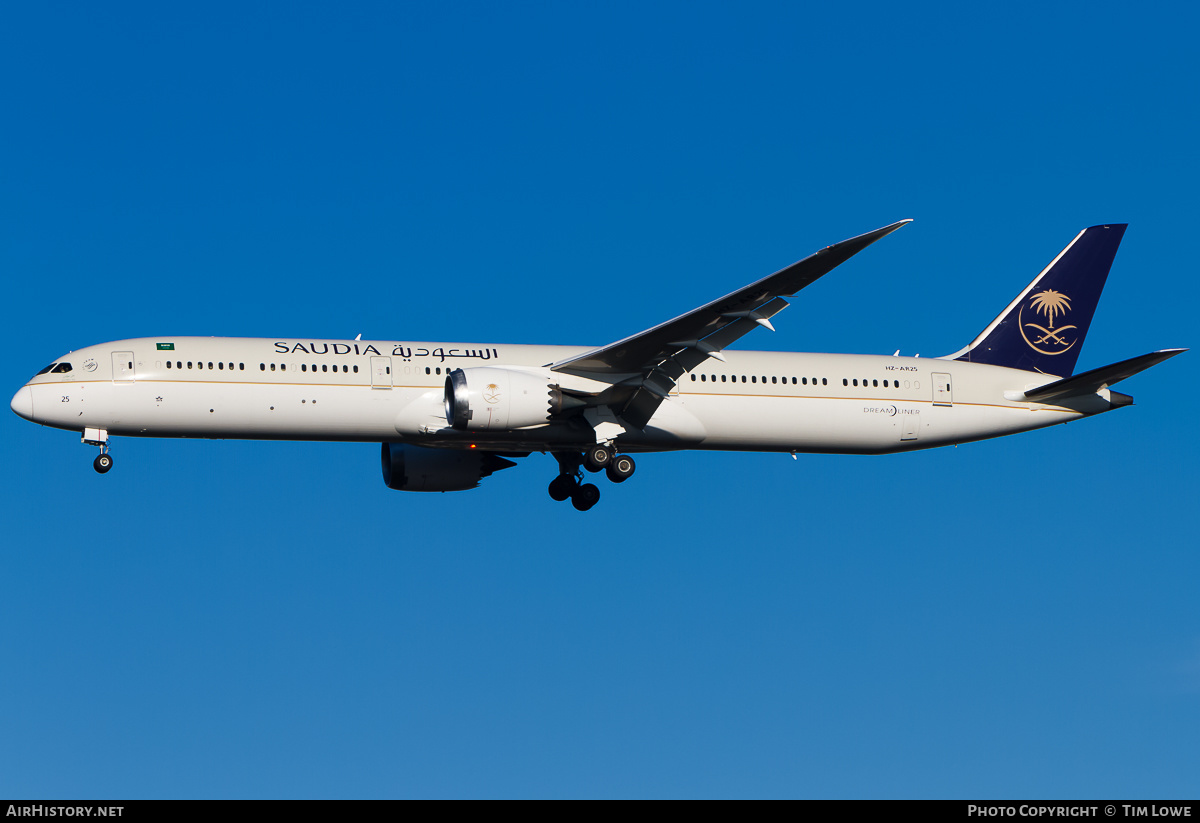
(1090, 382)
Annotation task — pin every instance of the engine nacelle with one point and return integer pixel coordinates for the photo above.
(489, 399)
(420, 469)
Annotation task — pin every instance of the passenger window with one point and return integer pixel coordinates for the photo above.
(324, 367)
(875, 383)
(722, 378)
(702, 379)
(303, 367)
(261, 366)
(272, 367)
(356, 369)
(168, 364)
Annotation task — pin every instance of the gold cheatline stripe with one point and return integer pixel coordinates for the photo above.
(867, 400)
(680, 394)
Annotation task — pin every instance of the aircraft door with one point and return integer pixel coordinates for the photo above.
(941, 390)
(381, 372)
(122, 366)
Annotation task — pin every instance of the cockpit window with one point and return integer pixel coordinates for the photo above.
(47, 369)
(61, 368)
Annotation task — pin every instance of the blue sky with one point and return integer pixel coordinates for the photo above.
(1015, 618)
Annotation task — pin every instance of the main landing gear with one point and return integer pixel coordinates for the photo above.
(569, 483)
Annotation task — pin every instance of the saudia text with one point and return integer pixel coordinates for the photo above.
(398, 350)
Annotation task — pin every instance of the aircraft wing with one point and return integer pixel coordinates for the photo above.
(651, 361)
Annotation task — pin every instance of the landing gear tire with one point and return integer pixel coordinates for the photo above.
(597, 457)
(102, 463)
(561, 487)
(584, 497)
(621, 468)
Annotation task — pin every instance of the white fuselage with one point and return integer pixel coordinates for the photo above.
(393, 392)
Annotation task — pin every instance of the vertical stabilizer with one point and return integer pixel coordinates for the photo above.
(1043, 329)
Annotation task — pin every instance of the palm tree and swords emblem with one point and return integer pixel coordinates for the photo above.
(1051, 304)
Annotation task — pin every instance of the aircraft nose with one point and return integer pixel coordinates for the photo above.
(22, 403)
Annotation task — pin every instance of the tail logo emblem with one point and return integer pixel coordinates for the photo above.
(1047, 339)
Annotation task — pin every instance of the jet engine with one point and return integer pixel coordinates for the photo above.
(421, 469)
(490, 399)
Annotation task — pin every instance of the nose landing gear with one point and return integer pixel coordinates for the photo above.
(98, 437)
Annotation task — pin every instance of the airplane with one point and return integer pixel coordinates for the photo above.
(450, 414)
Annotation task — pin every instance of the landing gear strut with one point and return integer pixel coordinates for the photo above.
(569, 483)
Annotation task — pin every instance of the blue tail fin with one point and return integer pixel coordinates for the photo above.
(1043, 329)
